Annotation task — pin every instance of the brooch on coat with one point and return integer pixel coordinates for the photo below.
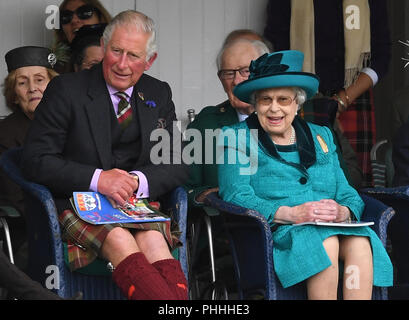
(161, 123)
(149, 103)
(323, 145)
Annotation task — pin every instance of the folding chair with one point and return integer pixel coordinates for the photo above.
(398, 234)
(5, 213)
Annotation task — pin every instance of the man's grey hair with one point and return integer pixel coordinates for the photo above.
(300, 96)
(137, 19)
(260, 47)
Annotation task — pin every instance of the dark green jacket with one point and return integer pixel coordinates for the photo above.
(204, 176)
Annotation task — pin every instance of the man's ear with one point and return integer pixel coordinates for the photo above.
(149, 63)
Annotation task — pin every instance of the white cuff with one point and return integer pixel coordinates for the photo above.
(372, 74)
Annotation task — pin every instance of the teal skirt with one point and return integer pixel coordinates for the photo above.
(298, 253)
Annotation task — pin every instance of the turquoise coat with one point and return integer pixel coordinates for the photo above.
(253, 173)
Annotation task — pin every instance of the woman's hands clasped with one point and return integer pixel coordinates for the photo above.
(325, 210)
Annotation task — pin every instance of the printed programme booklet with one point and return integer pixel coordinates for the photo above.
(95, 208)
(337, 224)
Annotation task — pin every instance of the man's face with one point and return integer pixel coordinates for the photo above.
(238, 56)
(125, 57)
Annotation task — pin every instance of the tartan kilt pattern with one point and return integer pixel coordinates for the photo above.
(84, 240)
(358, 125)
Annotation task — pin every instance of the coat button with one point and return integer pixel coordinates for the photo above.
(303, 180)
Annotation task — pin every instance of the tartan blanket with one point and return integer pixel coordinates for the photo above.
(84, 240)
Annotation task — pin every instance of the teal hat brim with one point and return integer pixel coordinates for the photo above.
(307, 81)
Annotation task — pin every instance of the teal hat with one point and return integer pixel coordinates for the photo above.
(275, 70)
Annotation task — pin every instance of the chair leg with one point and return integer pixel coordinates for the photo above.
(219, 291)
(211, 252)
(8, 238)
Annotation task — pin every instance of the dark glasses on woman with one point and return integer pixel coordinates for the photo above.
(84, 12)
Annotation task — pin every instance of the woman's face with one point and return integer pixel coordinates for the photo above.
(29, 88)
(276, 109)
(72, 27)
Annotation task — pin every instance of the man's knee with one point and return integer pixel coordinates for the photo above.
(118, 244)
(153, 245)
(149, 237)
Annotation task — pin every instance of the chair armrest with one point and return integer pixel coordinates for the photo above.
(388, 194)
(213, 200)
(379, 213)
(39, 199)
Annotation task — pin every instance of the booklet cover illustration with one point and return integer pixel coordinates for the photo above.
(95, 208)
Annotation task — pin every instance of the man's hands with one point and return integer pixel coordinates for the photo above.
(117, 184)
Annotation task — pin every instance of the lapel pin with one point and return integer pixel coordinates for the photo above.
(323, 145)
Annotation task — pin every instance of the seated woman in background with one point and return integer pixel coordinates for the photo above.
(73, 15)
(295, 177)
(30, 70)
(86, 47)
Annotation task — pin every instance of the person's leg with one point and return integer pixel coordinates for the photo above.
(157, 252)
(118, 244)
(20, 285)
(324, 285)
(133, 273)
(356, 253)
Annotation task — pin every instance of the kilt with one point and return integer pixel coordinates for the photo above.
(84, 240)
(358, 126)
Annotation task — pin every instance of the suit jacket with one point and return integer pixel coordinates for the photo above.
(70, 136)
(203, 176)
(400, 109)
(13, 130)
(400, 156)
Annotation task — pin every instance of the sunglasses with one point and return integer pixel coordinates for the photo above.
(84, 12)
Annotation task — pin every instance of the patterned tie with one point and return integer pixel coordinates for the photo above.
(124, 114)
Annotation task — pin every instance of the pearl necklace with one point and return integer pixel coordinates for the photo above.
(292, 137)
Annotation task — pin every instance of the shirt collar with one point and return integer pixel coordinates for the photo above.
(241, 116)
(112, 90)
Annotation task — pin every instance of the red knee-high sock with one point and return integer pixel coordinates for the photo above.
(139, 280)
(171, 271)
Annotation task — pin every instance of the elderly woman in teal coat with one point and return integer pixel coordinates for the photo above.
(288, 170)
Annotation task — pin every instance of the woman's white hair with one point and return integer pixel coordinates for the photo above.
(300, 96)
(140, 21)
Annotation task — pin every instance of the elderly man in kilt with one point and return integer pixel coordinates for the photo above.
(92, 132)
